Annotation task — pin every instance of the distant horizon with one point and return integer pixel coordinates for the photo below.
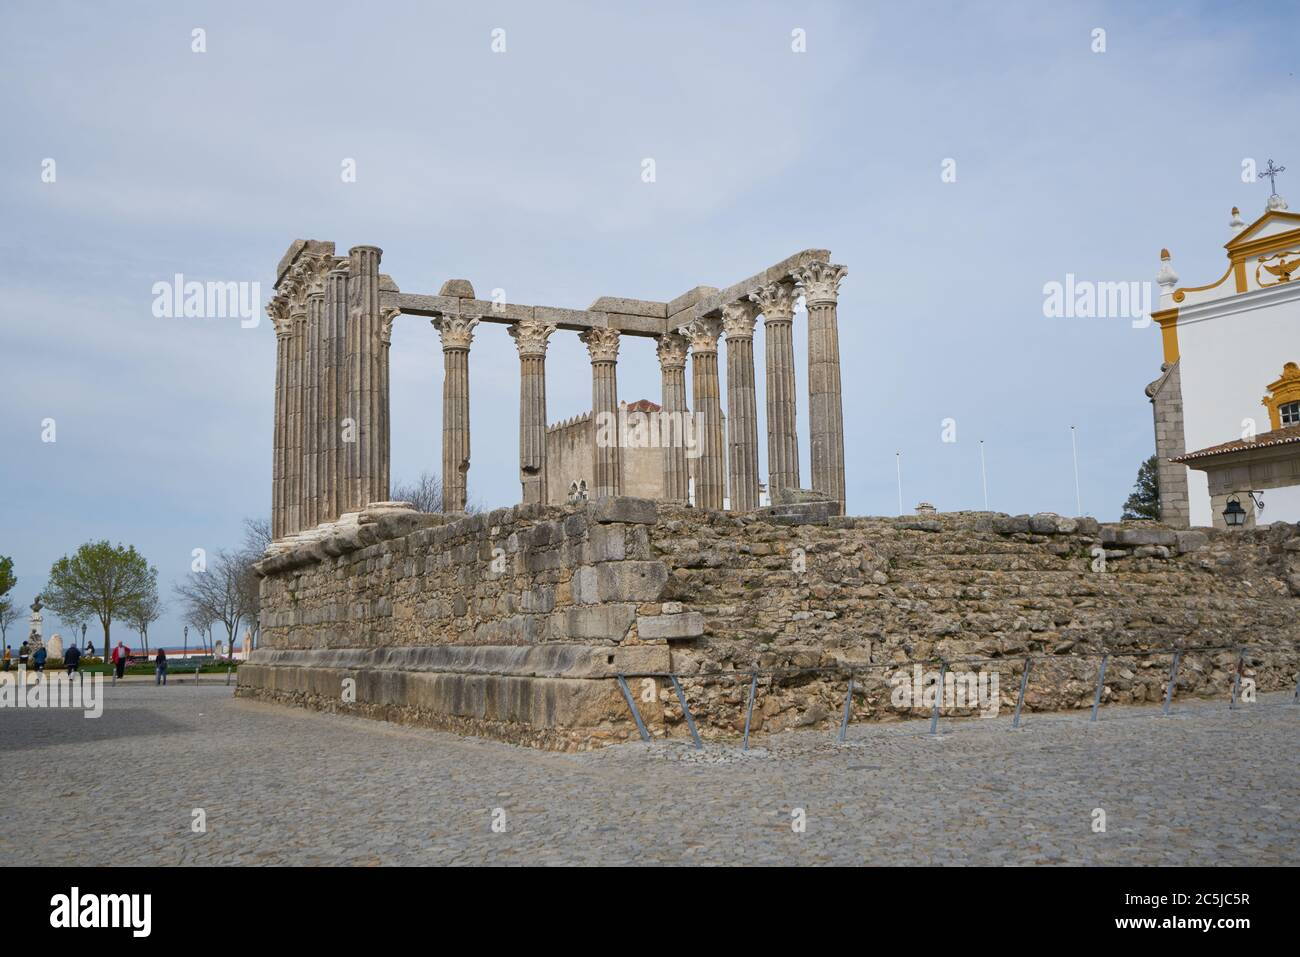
(522, 170)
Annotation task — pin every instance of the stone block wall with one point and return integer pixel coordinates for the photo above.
(514, 623)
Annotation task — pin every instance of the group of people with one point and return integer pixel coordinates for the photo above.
(72, 659)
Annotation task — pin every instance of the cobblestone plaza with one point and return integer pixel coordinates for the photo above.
(1204, 785)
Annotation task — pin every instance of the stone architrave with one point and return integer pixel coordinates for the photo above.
(602, 346)
(820, 282)
(672, 349)
(738, 320)
(710, 473)
(531, 336)
(777, 303)
(456, 332)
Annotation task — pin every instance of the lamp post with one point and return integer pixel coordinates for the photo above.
(1234, 515)
(187, 642)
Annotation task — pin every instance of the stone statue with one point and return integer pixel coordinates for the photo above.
(35, 637)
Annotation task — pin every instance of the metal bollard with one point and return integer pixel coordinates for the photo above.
(1173, 674)
(1020, 701)
(690, 722)
(627, 696)
(848, 708)
(227, 676)
(1236, 680)
(938, 699)
(196, 671)
(749, 710)
(1101, 679)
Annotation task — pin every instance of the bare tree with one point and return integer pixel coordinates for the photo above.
(425, 493)
(257, 535)
(144, 613)
(214, 595)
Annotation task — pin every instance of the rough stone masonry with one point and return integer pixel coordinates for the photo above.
(514, 623)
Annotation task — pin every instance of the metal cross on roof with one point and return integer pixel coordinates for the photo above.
(1271, 172)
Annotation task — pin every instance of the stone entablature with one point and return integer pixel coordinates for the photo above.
(512, 623)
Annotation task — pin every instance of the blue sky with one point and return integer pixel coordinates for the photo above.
(521, 170)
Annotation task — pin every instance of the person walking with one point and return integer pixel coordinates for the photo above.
(71, 659)
(8, 658)
(38, 659)
(120, 654)
(24, 650)
(160, 668)
(90, 649)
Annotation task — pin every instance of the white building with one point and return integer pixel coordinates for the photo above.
(1227, 405)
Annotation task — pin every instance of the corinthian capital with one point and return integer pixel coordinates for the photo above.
(738, 319)
(776, 301)
(703, 334)
(820, 281)
(456, 332)
(671, 349)
(386, 325)
(277, 310)
(602, 344)
(531, 336)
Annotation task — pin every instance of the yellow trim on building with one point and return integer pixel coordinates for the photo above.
(1168, 319)
(1282, 392)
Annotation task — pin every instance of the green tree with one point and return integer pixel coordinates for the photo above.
(101, 581)
(1144, 502)
(8, 611)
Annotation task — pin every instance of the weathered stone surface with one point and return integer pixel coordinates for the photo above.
(677, 627)
(623, 508)
(1136, 535)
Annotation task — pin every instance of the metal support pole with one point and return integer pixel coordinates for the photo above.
(749, 709)
(196, 671)
(686, 710)
(1236, 680)
(1020, 702)
(938, 699)
(1295, 698)
(627, 696)
(848, 708)
(1173, 674)
(1101, 680)
(227, 676)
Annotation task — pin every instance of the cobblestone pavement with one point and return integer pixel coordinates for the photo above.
(283, 786)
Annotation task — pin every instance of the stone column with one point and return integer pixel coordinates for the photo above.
(334, 392)
(607, 452)
(279, 458)
(293, 474)
(456, 333)
(821, 282)
(710, 470)
(367, 404)
(385, 447)
(777, 302)
(738, 320)
(531, 337)
(310, 494)
(672, 370)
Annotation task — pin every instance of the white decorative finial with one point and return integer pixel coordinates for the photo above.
(1237, 224)
(1166, 278)
(1276, 202)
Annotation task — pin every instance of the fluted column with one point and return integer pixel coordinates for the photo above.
(334, 394)
(294, 470)
(821, 282)
(385, 449)
(672, 349)
(456, 333)
(607, 454)
(710, 471)
(279, 457)
(738, 320)
(367, 401)
(310, 487)
(531, 337)
(777, 302)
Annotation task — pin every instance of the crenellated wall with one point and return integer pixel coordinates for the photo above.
(514, 623)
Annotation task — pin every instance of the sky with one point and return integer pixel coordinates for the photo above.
(522, 169)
